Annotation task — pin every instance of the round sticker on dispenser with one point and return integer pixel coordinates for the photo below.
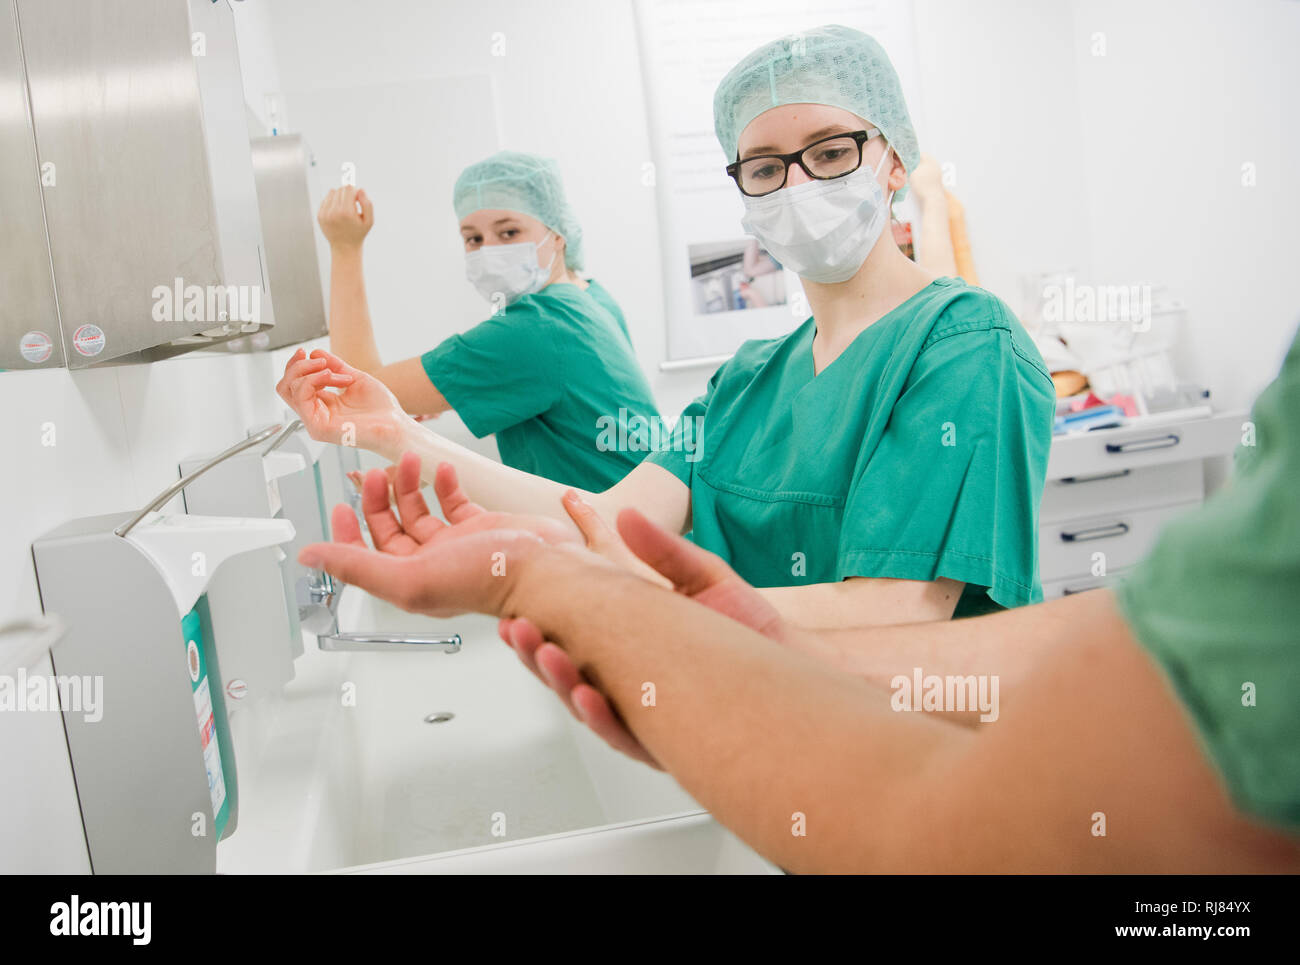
(36, 346)
(88, 340)
(192, 652)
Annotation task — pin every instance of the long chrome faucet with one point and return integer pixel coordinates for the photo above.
(318, 601)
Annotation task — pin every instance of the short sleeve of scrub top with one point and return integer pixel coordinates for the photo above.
(546, 376)
(953, 486)
(920, 452)
(1217, 605)
(515, 352)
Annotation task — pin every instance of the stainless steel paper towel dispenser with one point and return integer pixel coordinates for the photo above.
(29, 319)
(150, 206)
(282, 169)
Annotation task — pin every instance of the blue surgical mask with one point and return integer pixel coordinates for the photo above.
(508, 271)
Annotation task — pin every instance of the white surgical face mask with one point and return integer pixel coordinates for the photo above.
(822, 230)
(510, 271)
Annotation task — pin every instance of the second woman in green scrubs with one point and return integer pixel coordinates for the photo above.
(881, 464)
(554, 356)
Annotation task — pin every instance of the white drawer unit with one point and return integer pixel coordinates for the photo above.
(1068, 548)
(1122, 489)
(1112, 491)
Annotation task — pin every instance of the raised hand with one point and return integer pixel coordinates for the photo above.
(346, 217)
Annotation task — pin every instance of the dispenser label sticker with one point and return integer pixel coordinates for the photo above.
(192, 653)
(36, 346)
(88, 340)
(211, 750)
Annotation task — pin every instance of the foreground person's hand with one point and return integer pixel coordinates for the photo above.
(557, 670)
(364, 413)
(423, 564)
(691, 571)
(602, 539)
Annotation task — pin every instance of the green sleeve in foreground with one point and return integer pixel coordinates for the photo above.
(1217, 605)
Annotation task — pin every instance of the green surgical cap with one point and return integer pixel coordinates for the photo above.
(831, 65)
(515, 181)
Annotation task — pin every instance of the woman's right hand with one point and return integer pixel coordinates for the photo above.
(345, 217)
(363, 413)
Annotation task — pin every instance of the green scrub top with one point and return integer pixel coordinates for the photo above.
(606, 300)
(919, 453)
(546, 374)
(1217, 604)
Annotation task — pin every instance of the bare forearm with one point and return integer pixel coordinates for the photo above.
(1008, 646)
(864, 602)
(487, 482)
(654, 491)
(352, 337)
(797, 738)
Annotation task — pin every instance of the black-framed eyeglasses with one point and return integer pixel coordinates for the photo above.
(831, 157)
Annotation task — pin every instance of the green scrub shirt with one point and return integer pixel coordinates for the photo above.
(543, 375)
(919, 453)
(606, 300)
(1217, 604)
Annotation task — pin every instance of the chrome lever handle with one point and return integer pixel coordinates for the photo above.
(396, 642)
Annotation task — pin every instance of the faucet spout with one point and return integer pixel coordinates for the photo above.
(318, 599)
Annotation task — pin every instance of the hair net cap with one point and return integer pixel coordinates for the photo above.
(515, 181)
(832, 65)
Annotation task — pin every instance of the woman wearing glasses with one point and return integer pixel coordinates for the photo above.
(881, 464)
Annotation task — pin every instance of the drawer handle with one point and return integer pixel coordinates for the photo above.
(1117, 474)
(1072, 590)
(1098, 532)
(1144, 445)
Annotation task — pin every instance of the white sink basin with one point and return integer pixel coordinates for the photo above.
(510, 783)
(686, 844)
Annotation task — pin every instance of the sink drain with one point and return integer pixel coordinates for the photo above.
(440, 717)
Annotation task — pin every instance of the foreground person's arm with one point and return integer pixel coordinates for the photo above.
(759, 735)
(773, 742)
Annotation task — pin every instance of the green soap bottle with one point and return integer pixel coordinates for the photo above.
(210, 709)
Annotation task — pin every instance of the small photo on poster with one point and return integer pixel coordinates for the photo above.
(730, 276)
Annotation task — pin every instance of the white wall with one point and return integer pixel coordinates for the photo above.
(1000, 99)
(1062, 160)
(1187, 93)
